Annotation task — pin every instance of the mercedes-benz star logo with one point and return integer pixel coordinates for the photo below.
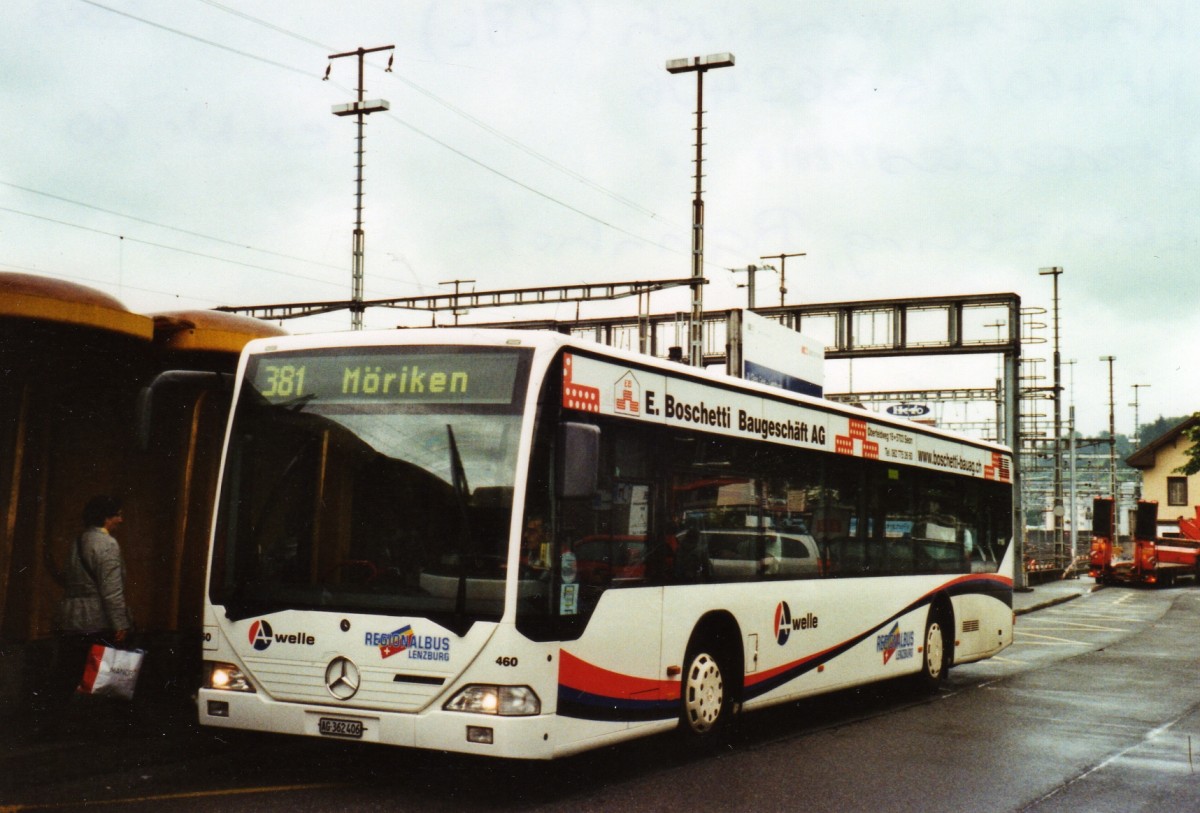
(342, 678)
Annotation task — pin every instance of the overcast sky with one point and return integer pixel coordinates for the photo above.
(183, 154)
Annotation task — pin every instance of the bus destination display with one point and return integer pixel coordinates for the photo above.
(388, 377)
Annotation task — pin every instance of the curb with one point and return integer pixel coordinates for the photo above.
(1058, 600)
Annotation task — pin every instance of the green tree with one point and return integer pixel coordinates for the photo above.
(1192, 434)
(1153, 430)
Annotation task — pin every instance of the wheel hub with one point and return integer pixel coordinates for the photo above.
(704, 693)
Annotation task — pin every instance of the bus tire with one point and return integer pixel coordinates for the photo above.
(705, 702)
(935, 654)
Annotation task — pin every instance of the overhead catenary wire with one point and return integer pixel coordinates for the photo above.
(480, 163)
(478, 122)
(167, 247)
(5, 266)
(213, 43)
(188, 232)
(199, 39)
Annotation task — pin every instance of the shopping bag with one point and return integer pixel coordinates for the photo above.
(111, 672)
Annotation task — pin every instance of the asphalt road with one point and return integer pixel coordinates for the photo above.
(1094, 708)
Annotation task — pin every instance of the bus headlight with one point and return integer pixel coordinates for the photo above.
(506, 701)
(226, 676)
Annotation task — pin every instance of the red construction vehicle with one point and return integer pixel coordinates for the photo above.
(1155, 560)
(1190, 528)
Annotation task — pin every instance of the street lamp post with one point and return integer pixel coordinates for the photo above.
(698, 65)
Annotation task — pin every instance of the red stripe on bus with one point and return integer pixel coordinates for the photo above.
(576, 673)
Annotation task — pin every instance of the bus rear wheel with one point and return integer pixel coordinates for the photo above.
(705, 701)
(935, 660)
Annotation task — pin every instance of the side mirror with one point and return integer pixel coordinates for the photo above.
(144, 410)
(577, 462)
(144, 417)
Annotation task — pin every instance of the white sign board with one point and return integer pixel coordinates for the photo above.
(775, 355)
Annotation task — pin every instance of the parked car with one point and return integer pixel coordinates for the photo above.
(742, 555)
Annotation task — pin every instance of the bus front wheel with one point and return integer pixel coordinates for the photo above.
(705, 694)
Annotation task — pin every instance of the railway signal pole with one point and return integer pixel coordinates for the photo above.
(1137, 418)
(783, 270)
(1055, 272)
(750, 272)
(456, 283)
(1112, 431)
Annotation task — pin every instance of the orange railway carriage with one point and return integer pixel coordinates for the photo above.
(72, 361)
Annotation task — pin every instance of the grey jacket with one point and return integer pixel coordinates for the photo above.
(92, 605)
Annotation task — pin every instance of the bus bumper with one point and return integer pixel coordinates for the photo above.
(480, 734)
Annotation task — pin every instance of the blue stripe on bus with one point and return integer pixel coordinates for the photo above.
(587, 706)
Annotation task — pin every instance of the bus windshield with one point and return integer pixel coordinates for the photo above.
(371, 480)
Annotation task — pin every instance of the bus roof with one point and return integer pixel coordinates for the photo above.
(211, 331)
(27, 296)
(552, 341)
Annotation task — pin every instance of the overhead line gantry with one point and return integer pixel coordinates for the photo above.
(466, 300)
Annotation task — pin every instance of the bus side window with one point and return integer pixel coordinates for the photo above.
(606, 529)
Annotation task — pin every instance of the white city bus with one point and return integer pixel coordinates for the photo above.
(524, 545)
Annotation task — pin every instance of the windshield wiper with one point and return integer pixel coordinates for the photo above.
(462, 491)
(295, 404)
